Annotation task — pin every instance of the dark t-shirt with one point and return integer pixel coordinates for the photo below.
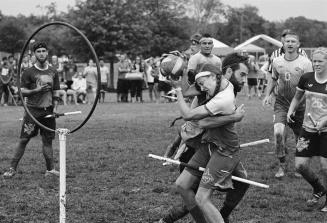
(315, 99)
(70, 70)
(33, 77)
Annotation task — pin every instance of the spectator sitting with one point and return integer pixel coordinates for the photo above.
(64, 92)
(79, 86)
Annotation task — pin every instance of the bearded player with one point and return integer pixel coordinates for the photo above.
(234, 69)
(313, 136)
(287, 70)
(40, 85)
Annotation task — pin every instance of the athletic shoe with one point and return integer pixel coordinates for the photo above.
(280, 173)
(10, 173)
(160, 221)
(296, 174)
(324, 209)
(52, 172)
(315, 198)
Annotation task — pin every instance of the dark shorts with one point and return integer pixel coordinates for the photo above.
(122, 86)
(30, 128)
(252, 81)
(104, 86)
(69, 84)
(218, 168)
(280, 116)
(311, 144)
(163, 86)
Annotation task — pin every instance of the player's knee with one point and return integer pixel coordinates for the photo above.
(300, 167)
(201, 199)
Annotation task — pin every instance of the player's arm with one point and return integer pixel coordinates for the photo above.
(272, 82)
(217, 121)
(173, 146)
(294, 104)
(187, 112)
(55, 93)
(26, 86)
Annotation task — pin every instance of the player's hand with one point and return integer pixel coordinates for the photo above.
(240, 112)
(170, 150)
(290, 117)
(321, 124)
(266, 101)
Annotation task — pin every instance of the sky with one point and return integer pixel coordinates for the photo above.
(272, 10)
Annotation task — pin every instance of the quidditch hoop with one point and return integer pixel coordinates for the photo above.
(96, 61)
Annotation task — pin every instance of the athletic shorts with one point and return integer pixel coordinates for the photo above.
(30, 128)
(311, 144)
(252, 81)
(104, 86)
(280, 116)
(163, 86)
(218, 167)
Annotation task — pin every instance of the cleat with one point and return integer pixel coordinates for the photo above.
(280, 173)
(297, 175)
(52, 172)
(10, 173)
(315, 198)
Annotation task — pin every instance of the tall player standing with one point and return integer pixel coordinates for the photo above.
(313, 136)
(287, 70)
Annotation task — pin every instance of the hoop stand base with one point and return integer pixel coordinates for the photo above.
(62, 179)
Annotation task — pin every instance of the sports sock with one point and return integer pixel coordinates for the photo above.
(175, 213)
(311, 178)
(197, 215)
(233, 198)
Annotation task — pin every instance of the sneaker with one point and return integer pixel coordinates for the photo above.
(315, 198)
(52, 172)
(10, 173)
(324, 209)
(297, 175)
(160, 221)
(280, 173)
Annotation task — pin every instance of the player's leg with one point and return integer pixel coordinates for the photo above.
(217, 175)
(28, 130)
(279, 135)
(47, 149)
(234, 196)
(323, 162)
(306, 148)
(189, 178)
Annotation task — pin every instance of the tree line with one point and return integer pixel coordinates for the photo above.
(149, 27)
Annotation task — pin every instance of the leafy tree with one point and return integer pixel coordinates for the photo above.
(12, 36)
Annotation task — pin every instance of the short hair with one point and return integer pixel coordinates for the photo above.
(38, 45)
(322, 50)
(290, 32)
(210, 67)
(233, 61)
(196, 37)
(206, 35)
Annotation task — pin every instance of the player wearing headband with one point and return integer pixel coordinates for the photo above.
(287, 70)
(40, 85)
(313, 137)
(234, 68)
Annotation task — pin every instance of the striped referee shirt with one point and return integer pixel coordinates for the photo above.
(280, 52)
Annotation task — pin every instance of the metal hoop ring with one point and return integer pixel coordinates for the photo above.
(96, 62)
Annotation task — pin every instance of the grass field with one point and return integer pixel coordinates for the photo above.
(110, 179)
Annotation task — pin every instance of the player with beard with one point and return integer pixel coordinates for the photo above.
(287, 70)
(234, 69)
(40, 85)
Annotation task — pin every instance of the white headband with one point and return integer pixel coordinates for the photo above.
(202, 74)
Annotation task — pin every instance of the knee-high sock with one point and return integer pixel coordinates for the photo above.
(197, 215)
(233, 198)
(311, 178)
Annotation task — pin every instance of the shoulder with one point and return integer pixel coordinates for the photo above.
(307, 76)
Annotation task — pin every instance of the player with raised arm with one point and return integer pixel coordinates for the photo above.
(313, 137)
(287, 70)
(40, 85)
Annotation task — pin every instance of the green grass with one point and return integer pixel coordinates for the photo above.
(110, 178)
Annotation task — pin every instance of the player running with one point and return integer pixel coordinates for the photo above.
(287, 70)
(313, 136)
